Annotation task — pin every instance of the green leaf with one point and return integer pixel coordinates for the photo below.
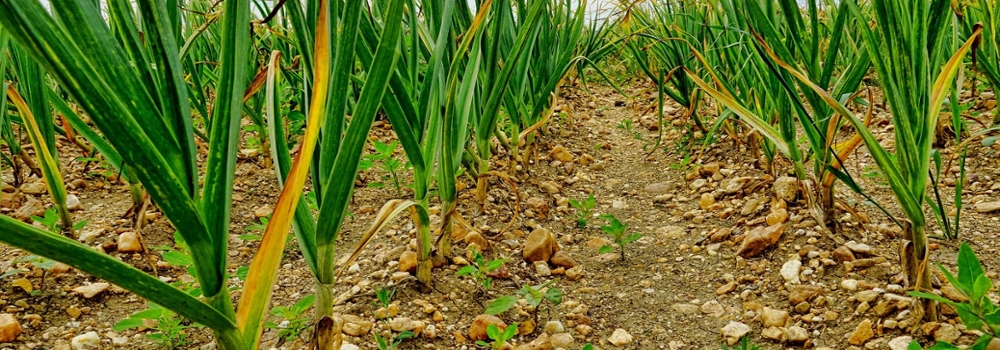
(930, 296)
(127, 324)
(982, 286)
(605, 249)
(501, 304)
(969, 317)
(554, 295)
(495, 264)
(631, 238)
(466, 270)
(493, 332)
(969, 268)
(942, 346)
(177, 258)
(304, 304)
(509, 332)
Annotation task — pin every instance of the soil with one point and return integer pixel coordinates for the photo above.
(676, 288)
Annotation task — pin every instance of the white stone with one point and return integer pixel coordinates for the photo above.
(73, 202)
(849, 284)
(790, 271)
(900, 343)
(89, 340)
(620, 337)
(733, 331)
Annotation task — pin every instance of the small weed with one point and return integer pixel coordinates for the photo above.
(534, 295)
(383, 298)
(169, 328)
(498, 337)
(479, 269)
(617, 230)
(295, 320)
(256, 227)
(745, 344)
(383, 154)
(50, 221)
(583, 209)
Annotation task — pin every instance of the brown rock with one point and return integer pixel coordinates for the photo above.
(575, 274)
(759, 239)
(774, 317)
(561, 154)
(9, 328)
(458, 232)
(408, 261)
(778, 216)
(843, 254)
(539, 205)
(475, 237)
(549, 187)
(562, 259)
(541, 343)
(540, 246)
(477, 331)
(262, 212)
(128, 242)
(706, 201)
(726, 288)
(862, 333)
(37, 187)
(30, 207)
(803, 292)
(90, 291)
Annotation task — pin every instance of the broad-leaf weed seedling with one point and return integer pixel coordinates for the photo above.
(498, 337)
(295, 319)
(255, 227)
(583, 209)
(617, 230)
(383, 154)
(169, 328)
(532, 294)
(50, 221)
(383, 297)
(479, 269)
(978, 313)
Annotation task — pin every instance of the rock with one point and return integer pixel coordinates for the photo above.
(128, 242)
(659, 187)
(707, 199)
(541, 343)
(850, 284)
(843, 254)
(773, 333)
(866, 296)
(982, 207)
(89, 340)
(73, 311)
(561, 340)
(561, 154)
(402, 324)
(575, 274)
(550, 187)
(671, 231)
(790, 271)
(796, 334)
(262, 212)
(862, 333)
(774, 317)
(733, 331)
(9, 328)
(759, 239)
(458, 232)
(347, 346)
(477, 331)
(91, 290)
(563, 259)
(726, 288)
(37, 187)
(542, 269)
(540, 246)
(859, 248)
(553, 327)
(786, 188)
(734, 185)
(475, 237)
(357, 327)
(949, 291)
(802, 307)
(947, 333)
(539, 205)
(900, 343)
(712, 308)
(408, 261)
(526, 327)
(753, 204)
(685, 308)
(698, 184)
(73, 203)
(800, 293)
(30, 207)
(778, 216)
(620, 337)
(994, 344)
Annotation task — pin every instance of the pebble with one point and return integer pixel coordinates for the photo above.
(73, 203)
(790, 271)
(698, 184)
(759, 239)
(859, 248)
(862, 333)
(542, 269)
(562, 340)
(91, 290)
(685, 308)
(262, 212)
(620, 337)
(946, 333)
(786, 188)
(843, 254)
(89, 340)
(9, 328)
(550, 187)
(659, 187)
(900, 343)
(796, 334)
(477, 331)
(37, 187)
(575, 274)
(540, 246)
(706, 201)
(774, 317)
(713, 308)
(563, 259)
(982, 207)
(849, 284)
(733, 331)
(800, 293)
(128, 242)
